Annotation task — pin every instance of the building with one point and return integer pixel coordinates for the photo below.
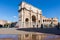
(31, 17)
(3, 22)
(50, 21)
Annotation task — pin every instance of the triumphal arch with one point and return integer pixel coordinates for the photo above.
(29, 16)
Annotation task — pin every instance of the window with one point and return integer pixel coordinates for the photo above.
(26, 35)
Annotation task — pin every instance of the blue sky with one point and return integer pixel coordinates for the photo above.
(9, 8)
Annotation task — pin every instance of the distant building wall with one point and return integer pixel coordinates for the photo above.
(2, 22)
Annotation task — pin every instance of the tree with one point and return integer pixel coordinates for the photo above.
(1, 26)
(13, 24)
(57, 26)
(6, 25)
(50, 25)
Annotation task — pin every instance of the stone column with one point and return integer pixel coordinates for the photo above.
(31, 19)
(23, 12)
(40, 19)
(37, 19)
(23, 17)
(30, 16)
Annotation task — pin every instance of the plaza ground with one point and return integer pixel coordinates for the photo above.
(19, 34)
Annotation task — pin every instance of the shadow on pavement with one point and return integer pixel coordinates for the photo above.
(43, 30)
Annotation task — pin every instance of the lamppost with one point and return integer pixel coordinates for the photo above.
(52, 22)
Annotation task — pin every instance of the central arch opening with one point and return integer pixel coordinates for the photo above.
(33, 21)
(33, 18)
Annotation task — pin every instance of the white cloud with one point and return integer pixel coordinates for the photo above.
(14, 16)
